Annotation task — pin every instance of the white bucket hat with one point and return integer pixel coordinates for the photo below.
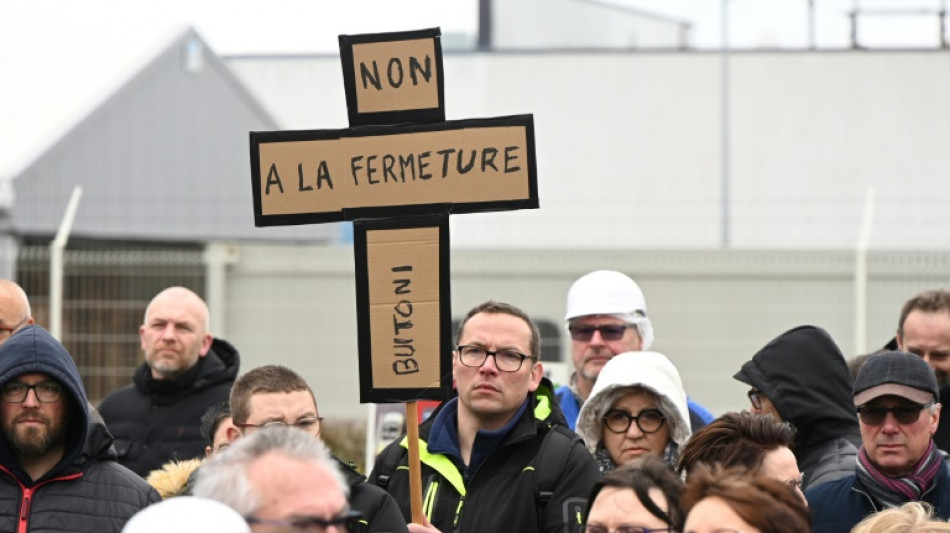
(608, 292)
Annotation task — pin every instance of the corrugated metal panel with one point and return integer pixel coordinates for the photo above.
(165, 158)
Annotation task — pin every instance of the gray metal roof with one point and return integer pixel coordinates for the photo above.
(164, 156)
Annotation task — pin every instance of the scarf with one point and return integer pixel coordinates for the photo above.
(606, 464)
(895, 491)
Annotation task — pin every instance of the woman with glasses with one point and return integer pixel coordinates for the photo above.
(637, 407)
(641, 497)
(733, 500)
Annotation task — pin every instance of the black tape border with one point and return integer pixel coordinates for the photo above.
(369, 393)
(262, 137)
(413, 116)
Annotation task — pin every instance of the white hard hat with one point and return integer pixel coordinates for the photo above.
(187, 514)
(608, 292)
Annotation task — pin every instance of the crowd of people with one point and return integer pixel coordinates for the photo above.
(827, 445)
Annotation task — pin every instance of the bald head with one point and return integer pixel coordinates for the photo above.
(14, 309)
(175, 333)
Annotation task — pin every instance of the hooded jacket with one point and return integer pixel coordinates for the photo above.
(156, 421)
(535, 479)
(648, 370)
(87, 490)
(806, 377)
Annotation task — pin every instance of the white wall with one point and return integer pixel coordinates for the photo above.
(629, 144)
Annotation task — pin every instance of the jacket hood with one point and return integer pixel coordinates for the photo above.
(33, 349)
(220, 364)
(648, 370)
(806, 377)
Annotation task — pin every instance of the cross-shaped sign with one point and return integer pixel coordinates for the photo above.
(397, 172)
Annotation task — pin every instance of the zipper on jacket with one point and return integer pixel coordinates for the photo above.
(458, 513)
(24, 518)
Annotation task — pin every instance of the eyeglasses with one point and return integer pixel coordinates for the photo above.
(755, 398)
(348, 521)
(608, 332)
(306, 424)
(505, 360)
(904, 413)
(46, 391)
(796, 483)
(7, 331)
(649, 420)
(592, 528)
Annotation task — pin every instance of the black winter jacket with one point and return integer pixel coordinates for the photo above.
(156, 421)
(87, 491)
(806, 377)
(503, 494)
(380, 512)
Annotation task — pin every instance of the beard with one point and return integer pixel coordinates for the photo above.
(34, 441)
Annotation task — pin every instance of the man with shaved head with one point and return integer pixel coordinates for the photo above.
(158, 417)
(15, 310)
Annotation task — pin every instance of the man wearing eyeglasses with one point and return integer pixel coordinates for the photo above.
(15, 310)
(57, 471)
(498, 457)
(276, 396)
(280, 479)
(606, 316)
(801, 377)
(896, 398)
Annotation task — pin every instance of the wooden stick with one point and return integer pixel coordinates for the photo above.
(415, 471)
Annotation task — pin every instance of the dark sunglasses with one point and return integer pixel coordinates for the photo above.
(348, 521)
(874, 415)
(608, 332)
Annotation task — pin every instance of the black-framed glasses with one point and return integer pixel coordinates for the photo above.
(648, 420)
(755, 398)
(348, 521)
(905, 413)
(608, 332)
(505, 360)
(596, 528)
(307, 423)
(7, 331)
(46, 391)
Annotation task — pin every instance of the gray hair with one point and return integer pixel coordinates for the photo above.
(605, 402)
(224, 478)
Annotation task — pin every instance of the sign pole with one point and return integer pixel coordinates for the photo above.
(415, 471)
(397, 173)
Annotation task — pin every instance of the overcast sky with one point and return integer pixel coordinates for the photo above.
(312, 26)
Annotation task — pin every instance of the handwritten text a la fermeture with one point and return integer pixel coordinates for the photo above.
(398, 168)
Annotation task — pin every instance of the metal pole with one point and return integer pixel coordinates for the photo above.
(56, 264)
(724, 148)
(811, 24)
(861, 276)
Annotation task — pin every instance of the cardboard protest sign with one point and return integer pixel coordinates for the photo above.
(404, 317)
(393, 78)
(305, 177)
